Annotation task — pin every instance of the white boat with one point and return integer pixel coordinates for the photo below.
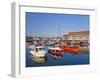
(37, 51)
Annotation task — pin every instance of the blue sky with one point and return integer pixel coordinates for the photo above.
(44, 24)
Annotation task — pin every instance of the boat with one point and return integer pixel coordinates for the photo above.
(37, 50)
(50, 43)
(71, 49)
(55, 50)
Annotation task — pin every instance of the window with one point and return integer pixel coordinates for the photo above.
(36, 49)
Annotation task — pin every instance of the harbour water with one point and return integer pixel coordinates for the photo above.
(49, 60)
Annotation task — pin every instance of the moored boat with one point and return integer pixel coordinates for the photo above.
(55, 50)
(37, 50)
(73, 50)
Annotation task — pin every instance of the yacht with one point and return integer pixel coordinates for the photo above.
(37, 50)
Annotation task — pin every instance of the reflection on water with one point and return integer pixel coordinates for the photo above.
(49, 60)
(39, 60)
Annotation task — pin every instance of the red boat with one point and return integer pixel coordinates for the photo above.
(73, 50)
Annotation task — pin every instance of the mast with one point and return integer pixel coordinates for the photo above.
(57, 29)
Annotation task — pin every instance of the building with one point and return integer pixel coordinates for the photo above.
(78, 36)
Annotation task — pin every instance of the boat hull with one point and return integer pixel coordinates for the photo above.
(39, 55)
(55, 52)
(71, 50)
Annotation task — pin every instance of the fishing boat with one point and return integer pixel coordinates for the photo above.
(71, 49)
(37, 50)
(55, 50)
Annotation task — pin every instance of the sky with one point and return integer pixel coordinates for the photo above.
(52, 25)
